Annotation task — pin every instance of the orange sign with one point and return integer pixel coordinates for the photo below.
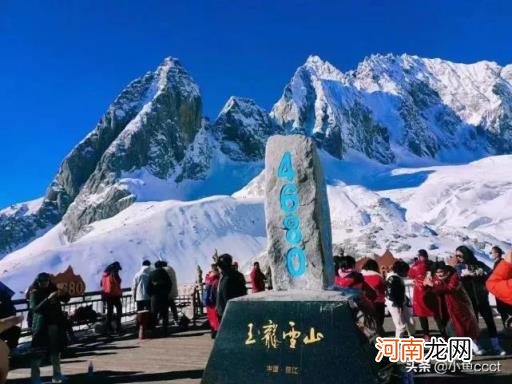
(69, 282)
(385, 262)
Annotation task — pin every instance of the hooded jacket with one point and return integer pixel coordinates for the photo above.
(140, 284)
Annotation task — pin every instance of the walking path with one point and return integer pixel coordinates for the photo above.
(181, 359)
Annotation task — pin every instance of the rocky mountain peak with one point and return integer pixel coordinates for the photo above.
(242, 129)
(422, 108)
(171, 73)
(238, 104)
(155, 139)
(320, 69)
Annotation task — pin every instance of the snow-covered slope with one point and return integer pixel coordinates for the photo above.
(433, 208)
(475, 196)
(186, 234)
(375, 207)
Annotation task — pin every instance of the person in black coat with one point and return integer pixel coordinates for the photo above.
(48, 326)
(231, 284)
(396, 300)
(159, 288)
(474, 274)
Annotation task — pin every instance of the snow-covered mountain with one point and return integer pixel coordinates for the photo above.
(153, 143)
(397, 108)
(185, 233)
(375, 126)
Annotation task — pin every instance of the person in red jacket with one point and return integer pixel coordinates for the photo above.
(257, 278)
(374, 279)
(460, 319)
(111, 292)
(423, 301)
(211, 282)
(348, 277)
(499, 284)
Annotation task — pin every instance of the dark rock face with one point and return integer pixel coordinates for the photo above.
(156, 140)
(82, 161)
(297, 215)
(313, 104)
(150, 125)
(21, 226)
(243, 128)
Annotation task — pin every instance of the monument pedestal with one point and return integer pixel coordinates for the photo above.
(290, 337)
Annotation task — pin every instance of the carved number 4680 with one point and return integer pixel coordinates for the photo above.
(289, 201)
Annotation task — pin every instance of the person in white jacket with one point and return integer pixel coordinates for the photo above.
(140, 287)
(174, 290)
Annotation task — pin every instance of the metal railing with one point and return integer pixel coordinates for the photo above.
(129, 306)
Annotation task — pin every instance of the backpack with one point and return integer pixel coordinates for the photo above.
(110, 286)
(159, 283)
(84, 314)
(106, 284)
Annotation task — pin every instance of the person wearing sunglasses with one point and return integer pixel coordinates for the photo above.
(460, 320)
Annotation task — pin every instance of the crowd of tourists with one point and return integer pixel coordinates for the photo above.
(154, 290)
(453, 296)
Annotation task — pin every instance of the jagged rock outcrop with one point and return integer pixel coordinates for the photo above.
(155, 139)
(319, 102)
(243, 128)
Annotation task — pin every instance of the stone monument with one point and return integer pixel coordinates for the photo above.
(297, 215)
(300, 332)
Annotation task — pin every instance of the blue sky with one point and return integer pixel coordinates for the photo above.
(63, 62)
